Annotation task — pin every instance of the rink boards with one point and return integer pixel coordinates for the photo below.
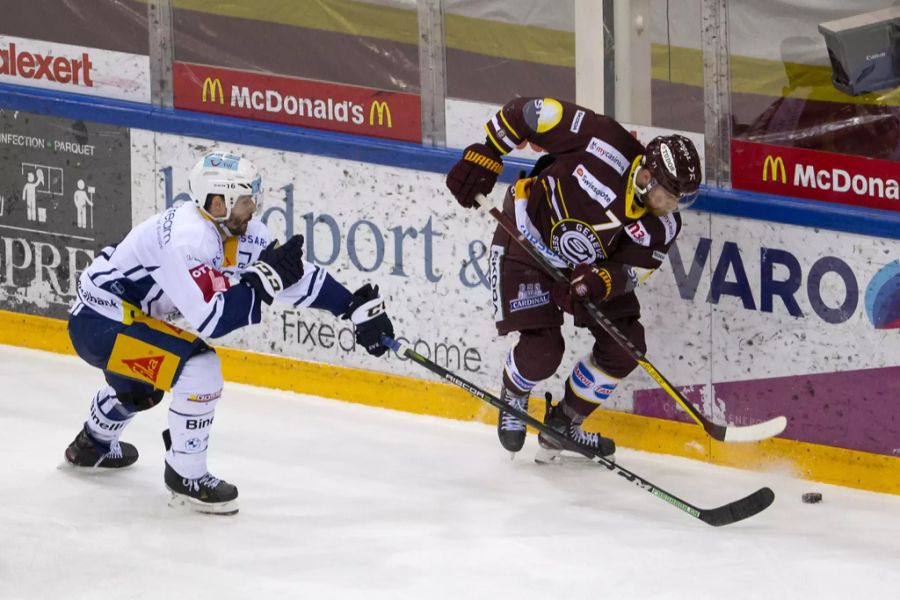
(752, 318)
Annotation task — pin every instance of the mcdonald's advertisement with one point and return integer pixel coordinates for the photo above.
(815, 175)
(292, 101)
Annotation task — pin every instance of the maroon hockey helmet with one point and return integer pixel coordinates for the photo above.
(674, 163)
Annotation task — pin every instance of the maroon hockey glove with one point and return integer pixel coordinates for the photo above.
(475, 173)
(588, 283)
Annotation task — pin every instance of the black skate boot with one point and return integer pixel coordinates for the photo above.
(559, 419)
(206, 494)
(85, 451)
(511, 430)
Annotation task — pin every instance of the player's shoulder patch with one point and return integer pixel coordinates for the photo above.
(654, 231)
(542, 114)
(672, 225)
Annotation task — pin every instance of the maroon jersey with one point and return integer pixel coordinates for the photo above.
(583, 205)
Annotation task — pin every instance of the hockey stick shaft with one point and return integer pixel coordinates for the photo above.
(723, 515)
(716, 431)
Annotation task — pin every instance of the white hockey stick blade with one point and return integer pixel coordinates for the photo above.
(756, 432)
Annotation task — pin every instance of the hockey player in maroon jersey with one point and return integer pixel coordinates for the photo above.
(605, 209)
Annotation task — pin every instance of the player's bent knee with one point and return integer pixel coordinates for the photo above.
(540, 352)
(615, 362)
(138, 401)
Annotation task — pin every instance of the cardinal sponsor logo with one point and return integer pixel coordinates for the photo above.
(530, 296)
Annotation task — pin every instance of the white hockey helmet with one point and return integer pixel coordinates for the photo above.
(227, 175)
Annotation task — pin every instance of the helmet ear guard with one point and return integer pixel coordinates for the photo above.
(674, 163)
(224, 174)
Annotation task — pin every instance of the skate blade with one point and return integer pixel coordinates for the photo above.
(551, 456)
(224, 509)
(81, 470)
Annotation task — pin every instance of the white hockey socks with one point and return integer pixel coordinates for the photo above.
(191, 414)
(591, 383)
(512, 373)
(107, 418)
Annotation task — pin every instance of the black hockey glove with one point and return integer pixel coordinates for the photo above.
(475, 173)
(277, 268)
(366, 311)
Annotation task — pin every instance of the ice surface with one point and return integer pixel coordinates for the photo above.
(346, 501)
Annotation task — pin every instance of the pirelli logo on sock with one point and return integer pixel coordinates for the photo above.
(139, 360)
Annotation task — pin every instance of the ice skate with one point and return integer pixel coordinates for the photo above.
(206, 494)
(510, 429)
(550, 452)
(87, 453)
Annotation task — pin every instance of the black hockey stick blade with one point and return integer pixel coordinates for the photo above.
(723, 515)
(739, 510)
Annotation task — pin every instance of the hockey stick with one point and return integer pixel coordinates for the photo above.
(722, 515)
(723, 433)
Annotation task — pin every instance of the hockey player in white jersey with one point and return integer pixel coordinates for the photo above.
(212, 264)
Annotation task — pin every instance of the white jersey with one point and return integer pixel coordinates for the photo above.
(176, 264)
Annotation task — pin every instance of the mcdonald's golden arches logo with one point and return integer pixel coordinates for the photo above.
(210, 87)
(771, 168)
(383, 110)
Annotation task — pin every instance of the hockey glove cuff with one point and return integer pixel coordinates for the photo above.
(263, 279)
(475, 173)
(277, 268)
(366, 312)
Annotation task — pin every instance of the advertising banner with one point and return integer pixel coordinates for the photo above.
(301, 102)
(797, 323)
(64, 194)
(825, 176)
(75, 69)
(739, 308)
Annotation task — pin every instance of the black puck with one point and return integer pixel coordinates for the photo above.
(811, 497)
